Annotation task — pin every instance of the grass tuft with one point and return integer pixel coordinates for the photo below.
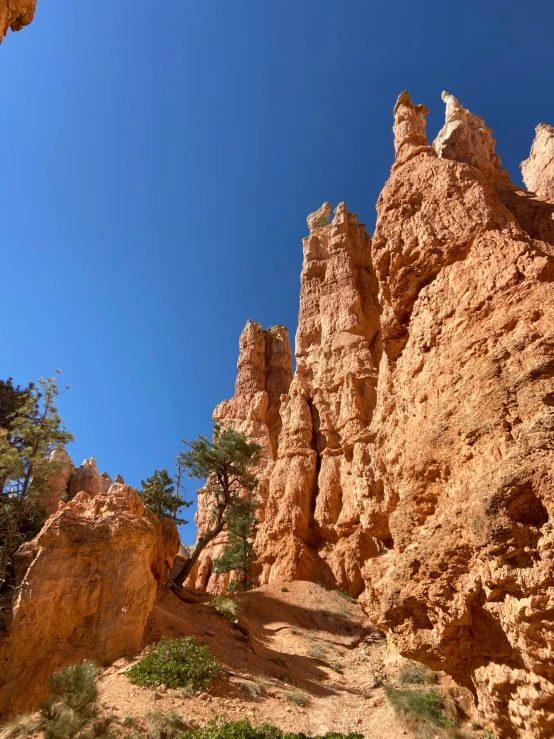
(71, 710)
(255, 688)
(244, 730)
(422, 710)
(160, 725)
(297, 696)
(345, 596)
(317, 651)
(177, 663)
(414, 673)
(226, 607)
(22, 726)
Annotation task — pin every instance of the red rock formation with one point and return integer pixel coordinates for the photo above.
(264, 374)
(538, 170)
(15, 14)
(58, 480)
(415, 463)
(88, 590)
(464, 426)
(316, 524)
(86, 478)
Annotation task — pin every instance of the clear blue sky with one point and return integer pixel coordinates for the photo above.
(159, 160)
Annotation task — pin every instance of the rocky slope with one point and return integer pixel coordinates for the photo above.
(305, 641)
(15, 14)
(414, 465)
(87, 586)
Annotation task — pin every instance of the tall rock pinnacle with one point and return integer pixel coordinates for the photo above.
(538, 170)
(264, 375)
(466, 138)
(409, 127)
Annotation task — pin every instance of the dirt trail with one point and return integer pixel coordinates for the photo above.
(302, 639)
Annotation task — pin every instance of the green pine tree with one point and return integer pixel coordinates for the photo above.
(239, 555)
(30, 430)
(161, 495)
(226, 464)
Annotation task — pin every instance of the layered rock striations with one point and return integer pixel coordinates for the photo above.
(87, 586)
(415, 461)
(15, 14)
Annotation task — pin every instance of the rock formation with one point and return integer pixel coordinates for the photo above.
(264, 375)
(464, 424)
(15, 14)
(58, 480)
(415, 462)
(316, 526)
(538, 170)
(88, 585)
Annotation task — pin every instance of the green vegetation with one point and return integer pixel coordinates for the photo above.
(177, 663)
(226, 464)
(243, 730)
(30, 429)
(346, 596)
(72, 710)
(414, 673)
(239, 555)
(423, 711)
(160, 725)
(317, 651)
(255, 688)
(161, 495)
(297, 696)
(284, 589)
(22, 726)
(226, 607)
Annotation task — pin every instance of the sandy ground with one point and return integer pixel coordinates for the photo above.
(300, 638)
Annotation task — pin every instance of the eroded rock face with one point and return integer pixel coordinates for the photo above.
(415, 460)
(15, 14)
(264, 375)
(538, 170)
(58, 480)
(88, 589)
(316, 525)
(86, 478)
(464, 425)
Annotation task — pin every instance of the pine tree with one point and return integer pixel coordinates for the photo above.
(225, 463)
(239, 555)
(161, 495)
(30, 430)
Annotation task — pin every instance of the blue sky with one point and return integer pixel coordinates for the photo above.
(158, 163)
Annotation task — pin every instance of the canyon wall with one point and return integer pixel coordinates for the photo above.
(15, 14)
(464, 423)
(415, 461)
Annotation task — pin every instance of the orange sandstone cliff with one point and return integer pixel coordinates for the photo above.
(414, 461)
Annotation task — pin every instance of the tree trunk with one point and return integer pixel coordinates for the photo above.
(200, 545)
